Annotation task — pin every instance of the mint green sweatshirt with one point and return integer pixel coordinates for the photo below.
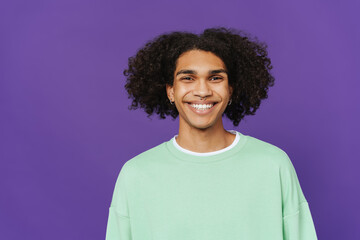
(248, 191)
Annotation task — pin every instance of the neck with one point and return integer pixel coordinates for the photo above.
(204, 140)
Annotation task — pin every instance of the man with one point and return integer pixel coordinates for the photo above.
(206, 183)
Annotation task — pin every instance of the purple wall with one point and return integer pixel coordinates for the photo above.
(65, 130)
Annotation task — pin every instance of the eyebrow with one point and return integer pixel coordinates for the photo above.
(188, 71)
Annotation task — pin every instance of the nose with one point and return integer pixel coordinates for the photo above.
(202, 88)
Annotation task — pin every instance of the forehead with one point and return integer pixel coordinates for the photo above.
(197, 59)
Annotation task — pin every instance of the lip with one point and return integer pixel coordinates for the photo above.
(201, 112)
(202, 102)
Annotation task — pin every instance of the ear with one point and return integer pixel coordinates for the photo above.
(170, 92)
(231, 91)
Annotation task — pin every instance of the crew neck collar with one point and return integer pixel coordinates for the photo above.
(235, 141)
(190, 156)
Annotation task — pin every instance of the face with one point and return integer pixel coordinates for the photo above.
(200, 74)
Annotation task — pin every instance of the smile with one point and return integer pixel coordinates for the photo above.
(201, 108)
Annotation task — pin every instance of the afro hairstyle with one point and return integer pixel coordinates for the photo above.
(153, 66)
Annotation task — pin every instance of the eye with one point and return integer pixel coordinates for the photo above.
(216, 78)
(186, 78)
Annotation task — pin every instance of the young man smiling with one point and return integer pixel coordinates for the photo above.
(201, 93)
(206, 183)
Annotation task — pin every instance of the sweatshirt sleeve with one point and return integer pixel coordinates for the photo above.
(297, 220)
(118, 226)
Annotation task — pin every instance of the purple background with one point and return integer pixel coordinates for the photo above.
(65, 130)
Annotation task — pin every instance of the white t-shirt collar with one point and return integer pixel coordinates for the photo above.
(236, 140)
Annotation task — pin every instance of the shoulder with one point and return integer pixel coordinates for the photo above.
(144, 158)
(277, 157)
(268, 151)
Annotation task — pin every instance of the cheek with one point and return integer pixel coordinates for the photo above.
(182, 91)
(222, 90)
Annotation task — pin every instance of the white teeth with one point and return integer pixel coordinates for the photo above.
(202, 106)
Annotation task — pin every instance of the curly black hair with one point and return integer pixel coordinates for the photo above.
(245, 58)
